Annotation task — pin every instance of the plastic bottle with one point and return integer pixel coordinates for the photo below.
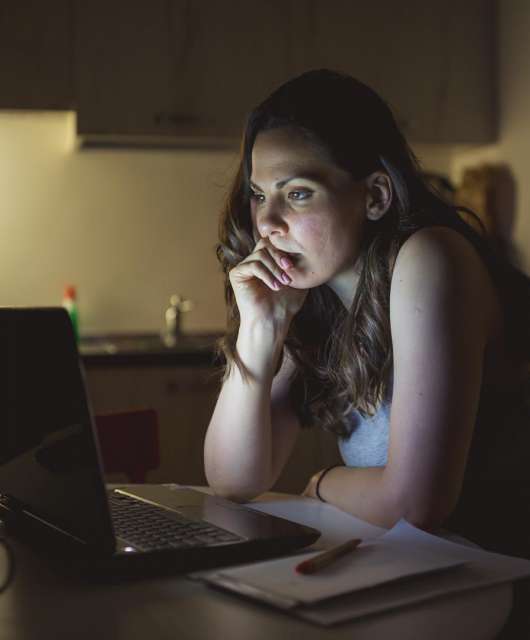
(70, 304)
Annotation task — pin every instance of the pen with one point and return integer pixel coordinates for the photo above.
(326, 558)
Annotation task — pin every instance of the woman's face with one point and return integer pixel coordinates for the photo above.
(308, 207)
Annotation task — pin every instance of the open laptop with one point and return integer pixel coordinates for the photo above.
(52, 488)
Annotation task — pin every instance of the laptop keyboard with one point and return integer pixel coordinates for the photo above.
(148, 527)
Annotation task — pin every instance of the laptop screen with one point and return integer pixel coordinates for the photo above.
(49, 462)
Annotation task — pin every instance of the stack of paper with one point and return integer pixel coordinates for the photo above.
(403, 566)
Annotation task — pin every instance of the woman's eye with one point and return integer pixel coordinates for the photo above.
(257, 197)
(300, 194)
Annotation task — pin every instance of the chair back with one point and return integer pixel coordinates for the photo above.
(129, 442)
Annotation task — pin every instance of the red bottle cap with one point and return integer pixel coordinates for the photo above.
(69, 292)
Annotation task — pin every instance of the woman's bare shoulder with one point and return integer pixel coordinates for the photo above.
(437, 242)
(446, 259)
(441, 251)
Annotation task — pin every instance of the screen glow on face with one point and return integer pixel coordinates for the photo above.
(306, 206)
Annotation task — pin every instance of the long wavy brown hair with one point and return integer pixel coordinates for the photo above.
(343, 356)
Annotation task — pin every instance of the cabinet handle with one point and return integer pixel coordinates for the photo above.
(172, 387)
(173, 119)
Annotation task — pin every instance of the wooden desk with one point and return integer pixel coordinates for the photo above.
(42, 603)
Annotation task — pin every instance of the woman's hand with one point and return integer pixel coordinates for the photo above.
(261, 285)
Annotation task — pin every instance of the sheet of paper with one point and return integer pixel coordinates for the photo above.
(383, 560)
(336, 525)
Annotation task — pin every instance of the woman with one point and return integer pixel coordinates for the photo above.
(359, 301)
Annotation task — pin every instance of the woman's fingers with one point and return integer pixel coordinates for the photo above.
(249, 269)
(271, 261)
(257, 277)
(282, 259)
(266, 265)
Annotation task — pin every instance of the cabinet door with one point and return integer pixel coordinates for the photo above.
(190, 70)
(123, 66)
(35, 54)
(238, 52)
(175, 68)
(186, 402)
(432, 61)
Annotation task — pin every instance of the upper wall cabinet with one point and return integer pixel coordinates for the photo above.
(178, 70)
(190, 70)
(433, 61)
(36, 54)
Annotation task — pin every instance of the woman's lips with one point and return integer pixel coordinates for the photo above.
(294, 256)
(289, 253)
(295, 259)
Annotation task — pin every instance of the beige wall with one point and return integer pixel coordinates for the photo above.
(127, 227)
(513, 147)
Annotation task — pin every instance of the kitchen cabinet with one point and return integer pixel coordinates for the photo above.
(184, 398)
(171, 69)
(434, 62)
(36, 42)
(189, 71)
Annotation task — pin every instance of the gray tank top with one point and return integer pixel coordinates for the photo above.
(367, 446)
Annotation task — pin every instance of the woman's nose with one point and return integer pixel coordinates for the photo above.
(269, 221)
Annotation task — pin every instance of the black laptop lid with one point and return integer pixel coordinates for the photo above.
(49, 461)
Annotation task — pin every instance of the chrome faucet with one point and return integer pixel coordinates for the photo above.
(177, 306)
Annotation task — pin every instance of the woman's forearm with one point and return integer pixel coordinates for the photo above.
(363, 492)
(238, 448)
(371, 494)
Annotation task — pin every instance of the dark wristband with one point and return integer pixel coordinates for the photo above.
(320, 478)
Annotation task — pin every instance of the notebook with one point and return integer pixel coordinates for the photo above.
(52, 489)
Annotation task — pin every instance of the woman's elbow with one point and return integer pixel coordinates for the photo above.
(425, 521)
(424, 507)
(235, 493)
(426, 515)
(231, 484)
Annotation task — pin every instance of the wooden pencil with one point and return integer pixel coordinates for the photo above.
(318, 562)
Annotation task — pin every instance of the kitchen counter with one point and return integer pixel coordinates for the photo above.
(197, 349)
